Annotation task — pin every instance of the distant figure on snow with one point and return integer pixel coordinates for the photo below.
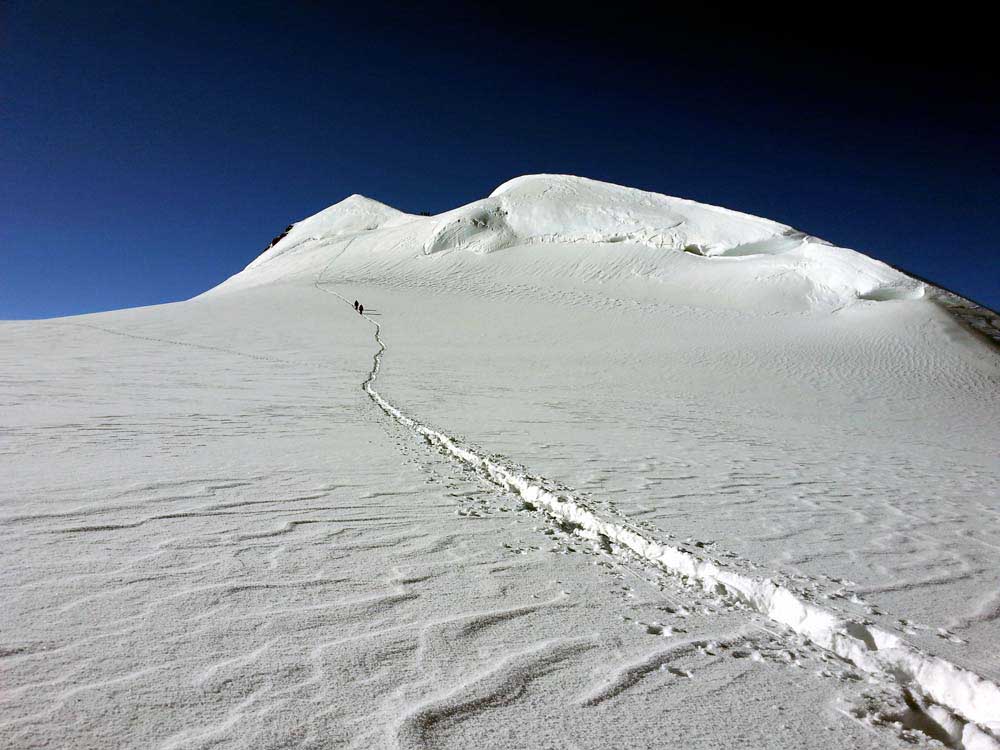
(361, 309)
(355, 304)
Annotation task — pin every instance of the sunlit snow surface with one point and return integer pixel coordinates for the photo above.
(213, 537)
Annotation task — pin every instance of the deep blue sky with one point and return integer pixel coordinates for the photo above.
(148, 153)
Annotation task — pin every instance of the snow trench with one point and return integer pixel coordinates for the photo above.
(974, 700)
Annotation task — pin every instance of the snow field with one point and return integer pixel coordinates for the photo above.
(778, 525)
(873, 650)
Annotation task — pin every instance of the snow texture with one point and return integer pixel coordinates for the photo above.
(598, 467)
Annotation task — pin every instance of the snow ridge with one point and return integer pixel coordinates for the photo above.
(974, 700)
(573, 230)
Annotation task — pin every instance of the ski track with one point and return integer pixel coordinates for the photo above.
(973, 702)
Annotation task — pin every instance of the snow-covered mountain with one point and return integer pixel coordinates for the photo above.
(680, 248)
(598, 467)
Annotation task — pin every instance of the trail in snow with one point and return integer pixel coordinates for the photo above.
(974, 700)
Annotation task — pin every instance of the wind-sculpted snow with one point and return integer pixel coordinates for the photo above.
(554, 209)
(975, 700)
(210, 537)
(677, 248)
(353, 214)
(781, 532)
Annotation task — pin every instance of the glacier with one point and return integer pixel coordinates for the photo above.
(598, 467)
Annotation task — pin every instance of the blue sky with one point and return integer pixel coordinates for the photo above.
(147, 153)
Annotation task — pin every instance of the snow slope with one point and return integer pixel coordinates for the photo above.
(692, 251)
(626, 470)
